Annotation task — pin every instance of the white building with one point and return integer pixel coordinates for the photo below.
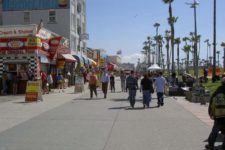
(64, 17)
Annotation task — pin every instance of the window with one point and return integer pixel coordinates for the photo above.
(52, 16)
(26, 16)
(79, 8)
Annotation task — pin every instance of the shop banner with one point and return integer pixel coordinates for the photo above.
(19, 45)
(17, 31)
(60, 64)
(33, 91)
(54, 44)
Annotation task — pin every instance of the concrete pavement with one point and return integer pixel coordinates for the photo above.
(68, 121)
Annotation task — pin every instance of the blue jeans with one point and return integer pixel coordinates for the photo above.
(217, 126)
(132, 94)
(146, 97)
(160, 98)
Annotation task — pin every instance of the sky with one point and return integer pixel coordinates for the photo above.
(125, 24)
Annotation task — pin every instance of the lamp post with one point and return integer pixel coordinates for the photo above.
(194, 5)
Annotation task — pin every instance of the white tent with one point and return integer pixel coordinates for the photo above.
(154, 67)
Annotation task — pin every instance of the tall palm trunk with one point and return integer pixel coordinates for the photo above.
(178, 58)
(214, 43)
(172, 35)
(167, 54)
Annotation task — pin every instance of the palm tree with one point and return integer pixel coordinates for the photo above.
(207, 53)
(177, 41)
(167, 37)
(214, 42)
(187, 49)
(218, 58)
(210, 60)
(156, 25)
(171, 21)
(223, 45)
(159, 41)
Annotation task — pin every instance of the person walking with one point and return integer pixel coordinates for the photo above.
(92, 84)
(146, 88)
(160, 83)
(105, 81)
(60, 82)
(49, 82)
(112, 83)
(123, 81)
(219, 120)
(132, 86)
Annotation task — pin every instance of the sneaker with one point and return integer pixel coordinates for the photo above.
(209, 147)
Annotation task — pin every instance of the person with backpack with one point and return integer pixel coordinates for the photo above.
(216, 112)
(132, 86)
(147, 89)
(60, 82)
(92, 84)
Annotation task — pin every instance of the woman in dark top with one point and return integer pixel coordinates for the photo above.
(112, 83)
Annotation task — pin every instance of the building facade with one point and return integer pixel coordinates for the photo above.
(64, 17)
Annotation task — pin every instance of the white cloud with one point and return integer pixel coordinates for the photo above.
(133, 58)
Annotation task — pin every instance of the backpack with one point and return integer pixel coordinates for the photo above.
(92, 80)
(218, 106)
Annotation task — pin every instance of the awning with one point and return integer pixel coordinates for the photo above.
(80, 60)
(92, 62)
(69, 57)
(44, 59)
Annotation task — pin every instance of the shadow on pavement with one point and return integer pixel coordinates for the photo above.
(89, 99)
(115, 108)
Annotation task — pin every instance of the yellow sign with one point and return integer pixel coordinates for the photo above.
(60, 64)
(33, 41)
(32, 87)
(102, 62)
(33, 91)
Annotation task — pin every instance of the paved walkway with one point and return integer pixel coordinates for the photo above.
(72, 121)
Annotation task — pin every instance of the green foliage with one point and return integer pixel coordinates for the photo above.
(211, 87)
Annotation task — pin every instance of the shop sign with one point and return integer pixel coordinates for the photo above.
(17, 31)
(34, 42)
(15, 44)
(33, 91)
(102, 62)
(44, 34)
(45, 46)
(60, 64)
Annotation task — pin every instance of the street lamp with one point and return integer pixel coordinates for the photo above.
(194, 5)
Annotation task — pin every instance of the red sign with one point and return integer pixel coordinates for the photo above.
(54, 43)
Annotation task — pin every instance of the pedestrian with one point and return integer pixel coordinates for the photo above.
(147, 89)
(15, 82)
(4, 83)
(217, 113)
(123, 81)
(132, 86)
(49, 82)
(44, 82)
(160, 83)
(92, 84)
(60, 82)
(105, 81)
(112, 82)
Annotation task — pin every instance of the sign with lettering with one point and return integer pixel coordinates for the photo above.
(17, 31)
(33, 91)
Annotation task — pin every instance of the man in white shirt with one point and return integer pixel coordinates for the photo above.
(160, 84)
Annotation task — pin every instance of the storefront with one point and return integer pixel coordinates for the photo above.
(23, 54)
